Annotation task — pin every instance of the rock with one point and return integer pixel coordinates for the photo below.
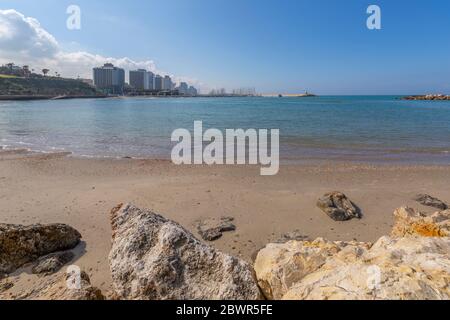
(338, 207)
(212, 229)
(52, 263)
(69, 286)
(429, 201)
(293, 235)
(153, 258)
(428, 97)
(409, 222)
(393, 269)
(6, 285)
(412, 264)
(279, 266)
(23, 244)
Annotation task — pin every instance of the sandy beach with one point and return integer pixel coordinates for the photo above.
(50, 188)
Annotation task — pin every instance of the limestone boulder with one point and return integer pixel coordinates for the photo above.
(23, 244)
(212, 229)
(393, 269)
(153, 258)
(338, 207)
(410, 222)
(52, 263)
(414, 263)
(427, 200)
(279, 266)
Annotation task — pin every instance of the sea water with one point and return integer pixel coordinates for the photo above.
(349, 128)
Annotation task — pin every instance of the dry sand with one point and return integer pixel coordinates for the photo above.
(81, 192)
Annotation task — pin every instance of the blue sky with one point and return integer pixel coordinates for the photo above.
(276, 46)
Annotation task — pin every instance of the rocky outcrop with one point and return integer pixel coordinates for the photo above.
(155, 258)
(412, 264)
(428, 97)
(73, 285)
(52, 263)
(279, 266)
(410, 222)
(23, 244)
(429, 201)
(338, 207)
(393, 269)
(213, 228)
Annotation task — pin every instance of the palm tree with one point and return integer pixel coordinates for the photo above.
(45, 71)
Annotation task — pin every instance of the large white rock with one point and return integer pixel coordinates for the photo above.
(394, 269)
(279, 266)
(155, 258)
(412, 264)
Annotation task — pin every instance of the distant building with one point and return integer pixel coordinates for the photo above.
(192, 91)
(139, 79)
(142, 79)
(151, 80)
(109, 79)
(167, 83)
(183, 89)
(158, 82)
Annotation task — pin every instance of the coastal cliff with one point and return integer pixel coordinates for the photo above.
(16, 88)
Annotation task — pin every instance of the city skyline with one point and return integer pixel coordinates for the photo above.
(320, 46)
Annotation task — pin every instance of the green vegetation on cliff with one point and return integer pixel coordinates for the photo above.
(42, 86)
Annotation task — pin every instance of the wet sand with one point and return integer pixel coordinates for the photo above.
(49, 188)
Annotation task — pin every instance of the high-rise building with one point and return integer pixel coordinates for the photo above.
(142, 79)
(158, 82)
(167, 83)
(139, 79)
(109, 79)
(183, 88)
(192, 91)
(151, 80)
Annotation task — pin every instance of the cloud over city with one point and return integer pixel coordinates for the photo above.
(24, 41)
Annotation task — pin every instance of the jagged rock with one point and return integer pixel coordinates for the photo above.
(279, 266)
(69, 286)
(23, 244)
(412, 264)
(157, 259)
(52, 263)
(409, 222)
(212, 229)
(429, 201)
(393, 269)
(338, 207)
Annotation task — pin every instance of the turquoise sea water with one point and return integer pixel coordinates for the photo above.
(357, 128)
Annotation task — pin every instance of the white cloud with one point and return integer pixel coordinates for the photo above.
(24, 41)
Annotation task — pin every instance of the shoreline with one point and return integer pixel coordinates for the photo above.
(335, 155)
(55, 188)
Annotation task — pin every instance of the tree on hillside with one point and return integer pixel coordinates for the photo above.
(45, 71)
(26, 71)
